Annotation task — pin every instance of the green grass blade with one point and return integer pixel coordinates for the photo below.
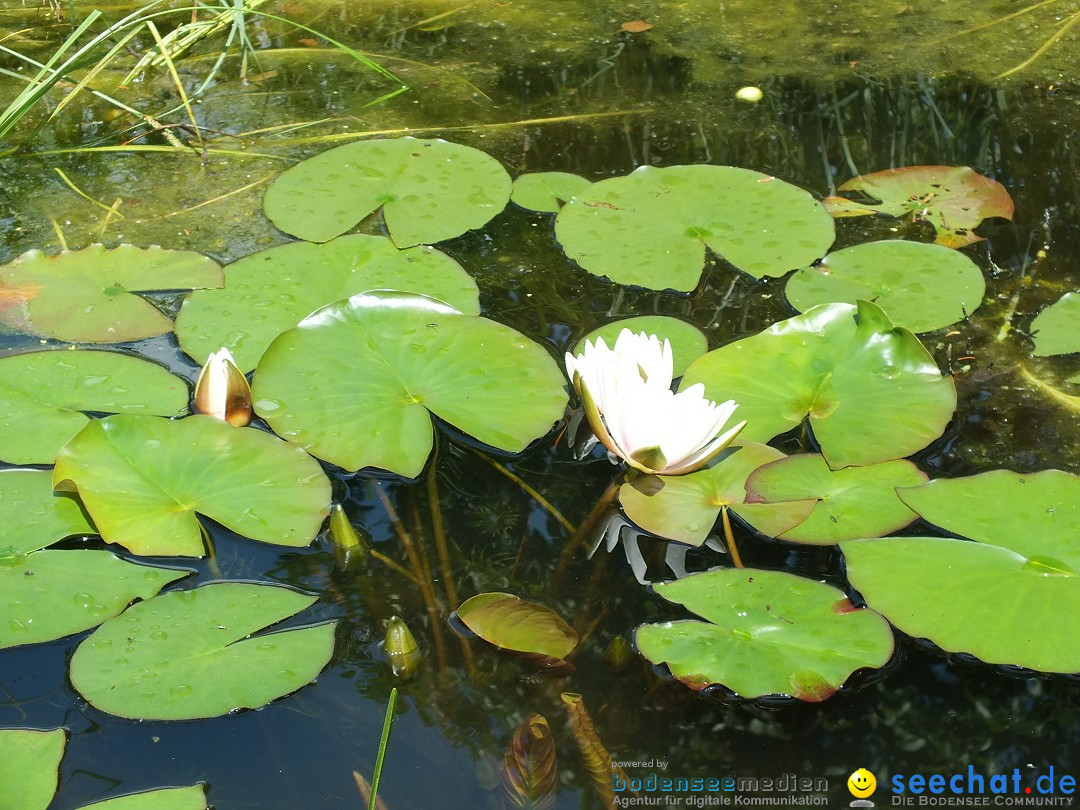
(380, 758)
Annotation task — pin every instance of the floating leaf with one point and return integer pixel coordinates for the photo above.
(86, 295)
(273, 290)
(922, 287)
(42, 395)
(29, 767)
(872, 391)
(185, 798)
(33, 516)
(688, 342)
(143, 479)
(598, 762)
(766, 632)
(635, 26)
(1057, 328)
(546, 191)
(854, 502)
(650, 228)
(51, 594)
(954, 199)
(354, 382)
(190, 654)
(529, 775)
(429, 190)
(685, 507)
(512, 623)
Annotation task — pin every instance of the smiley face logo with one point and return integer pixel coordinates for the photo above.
(861, 783)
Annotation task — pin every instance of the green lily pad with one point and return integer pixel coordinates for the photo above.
(143, 479)
(872, 391)
(1034, 514)
(33, 516)
(86, 295)
(688, 342)
(185, 798)
(42, 395)
(429, 190)
(1002, 606)
(1057, 328)
(273, 290)
(190, 654)
(852, 503)
(650, 228)
(546, 191)
(685, 507)
(922, 287)
(354, 382)
(29, 767)
(954, 199)
(50, 594)
(512, 623)
(766, 633)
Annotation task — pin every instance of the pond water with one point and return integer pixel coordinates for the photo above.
(848, 88)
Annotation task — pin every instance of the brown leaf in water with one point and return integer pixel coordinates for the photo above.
(636, 26)
(597, 759)
(365, 792)
(529, 775)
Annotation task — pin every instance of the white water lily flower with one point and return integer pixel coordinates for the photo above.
(222, 390)
(634, 413)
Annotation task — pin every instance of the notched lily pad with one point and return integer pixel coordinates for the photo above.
(1057, 328)
(765, 633)
(546, 191)
(143, 479)
(273, 290)
(922, 287)
(688, 342)
(953, 199)
(33, 516)
(512, 623)
(851, 503)
(650, 228)
(30, 767)
(429, 190)
(43, 396)
(357, 381)
(86, 295)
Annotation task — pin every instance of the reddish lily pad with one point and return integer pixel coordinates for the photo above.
(512, 623)
(953, 199)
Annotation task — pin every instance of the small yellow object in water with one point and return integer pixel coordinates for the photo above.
(750, 93)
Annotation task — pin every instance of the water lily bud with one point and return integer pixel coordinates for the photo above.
(352, 546)
(222, 390)
(619, 653)
(401, 648)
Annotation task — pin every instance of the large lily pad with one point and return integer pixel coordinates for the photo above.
(429, 190)
(650, 228)
(273, 290)
(685, 507)
(190, 654)
(86, 295)
(29, 767)
(871, 390)
(143, 479)
(1057, 328)
(33, 516)
(43, 394)
(354, 382)
(688, 342)
(766, 632)
(185, 798)
(954, 199)
(513, 623)
(546, 191)
(922, 287)
(852, 503)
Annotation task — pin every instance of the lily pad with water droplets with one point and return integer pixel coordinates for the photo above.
(650, 228)
(546, 191)
(356, 383)
(87, 295)
(43, 396)
(191, 654)
(185, 798)
(1057, 328)
(144, 479)
(428, 190)
(512, 623)
(685, 507)
(922, 287)
(29, 767)
(688, 342)
(273, 290)
(954, 199)
(33, 516)
(871, 390)
(765, 633)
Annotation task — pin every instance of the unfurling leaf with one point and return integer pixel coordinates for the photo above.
(529, 774)
(596, 757)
